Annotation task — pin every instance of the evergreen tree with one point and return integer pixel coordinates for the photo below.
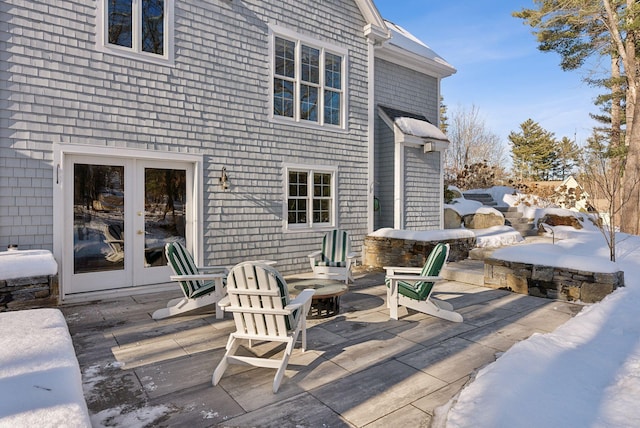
(444, 119)
(567, 157)
(533, 152)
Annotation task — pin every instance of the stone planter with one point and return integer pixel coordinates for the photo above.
(29, 280)
(550, 282)
(383, 251)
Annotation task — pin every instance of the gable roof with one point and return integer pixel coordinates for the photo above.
(403, 48)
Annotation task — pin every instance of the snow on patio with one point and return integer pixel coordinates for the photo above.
(39, 375)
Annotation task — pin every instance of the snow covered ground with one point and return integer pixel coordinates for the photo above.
(584, 374)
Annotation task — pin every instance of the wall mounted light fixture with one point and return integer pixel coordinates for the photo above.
(224, 179)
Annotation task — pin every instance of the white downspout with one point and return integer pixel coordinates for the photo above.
(398, 180)
(441, 154)
(371, 133)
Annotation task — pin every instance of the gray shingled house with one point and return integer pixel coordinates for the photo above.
(244, 128)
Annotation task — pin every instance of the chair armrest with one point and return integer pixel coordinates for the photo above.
(315, 254)
(391, 270)
(267, 262)
(224, 302)
(301, 299)
(202, 277)
(414, 278)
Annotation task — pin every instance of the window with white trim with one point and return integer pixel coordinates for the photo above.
(141, 28)
(310, 197)
(308, 82)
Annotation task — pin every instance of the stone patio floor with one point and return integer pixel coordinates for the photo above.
(361, 368)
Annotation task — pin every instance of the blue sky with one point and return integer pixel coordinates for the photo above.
(499, 68)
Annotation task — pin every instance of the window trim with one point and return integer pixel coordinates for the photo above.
(324, 47)
(135, 53)
(310, 170)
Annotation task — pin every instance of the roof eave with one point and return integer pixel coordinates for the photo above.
(376, 34)
(415, 62)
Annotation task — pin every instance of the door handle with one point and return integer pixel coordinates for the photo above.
(141, 232)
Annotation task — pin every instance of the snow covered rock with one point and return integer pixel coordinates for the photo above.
(452, 219)
(483, 218)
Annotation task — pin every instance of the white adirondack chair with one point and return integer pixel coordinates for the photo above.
(201, 286)
(412, 287)
(259, 300)
(335, 259)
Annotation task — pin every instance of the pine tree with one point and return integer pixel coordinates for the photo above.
(444, 119)
(568, 155)
(532, 151)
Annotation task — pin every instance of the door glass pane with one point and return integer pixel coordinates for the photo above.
(164, 212)
(98, 224)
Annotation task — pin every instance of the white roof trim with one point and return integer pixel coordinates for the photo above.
(405, 49)
(376, 29)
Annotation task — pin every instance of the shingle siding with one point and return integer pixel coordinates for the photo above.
(410, 91)
(58, 87)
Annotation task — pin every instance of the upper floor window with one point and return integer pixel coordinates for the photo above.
(308, 81)
(310, 197)
(142, 28)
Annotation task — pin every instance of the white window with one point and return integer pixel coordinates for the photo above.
(308, 81)
(137, 28)
(310, 197)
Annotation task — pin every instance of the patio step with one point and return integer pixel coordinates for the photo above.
(513, 218)
(483, 198)
(466, 271)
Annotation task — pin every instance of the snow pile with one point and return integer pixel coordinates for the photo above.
(26, 263)
(464, 206)
(554, 255)
(586, 373)
(420, 128)
(497, 236)
(40, 381)
(423, 235)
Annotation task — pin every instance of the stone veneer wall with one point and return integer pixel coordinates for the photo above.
(551, 282)
(28, 293)
(380, 252)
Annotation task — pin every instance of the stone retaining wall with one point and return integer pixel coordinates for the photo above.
(28, 293)
(551, 282)
(380, 252)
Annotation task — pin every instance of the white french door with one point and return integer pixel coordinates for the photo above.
(119, 213)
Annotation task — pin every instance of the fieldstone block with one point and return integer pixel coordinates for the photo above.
(542, 273)
(517, 284)
(29, 293)
(606, 278)
(594, 292)
(27, 280)
(572, 292)
(483, 220)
